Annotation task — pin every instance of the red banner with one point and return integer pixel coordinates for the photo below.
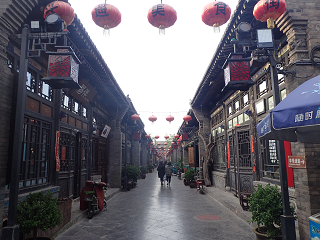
(57, 151)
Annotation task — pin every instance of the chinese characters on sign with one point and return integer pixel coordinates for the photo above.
(105, 131)
(191, 157)
(272, 4)
(158, 9)
(101, 10)
(273, 152)
(85, 93)
(57, 151)
(221, 8)
(296, 162)
(306, 116)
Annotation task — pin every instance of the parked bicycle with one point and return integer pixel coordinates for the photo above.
(93, 196)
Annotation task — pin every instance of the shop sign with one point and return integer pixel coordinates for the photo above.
(85, 93)
(296, 161)
(105, 131)
(191, 157)
(57, 151)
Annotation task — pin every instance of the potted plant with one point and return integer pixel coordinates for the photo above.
(133, 173)
(188, 177)
(38, 211)
(143, 171)
(150, 168)
(265, 203)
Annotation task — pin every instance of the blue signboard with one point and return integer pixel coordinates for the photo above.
(314, 230)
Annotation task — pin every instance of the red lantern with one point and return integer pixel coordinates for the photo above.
(159, 143)
(237, 72)
(216, 14)
(63, 9)
(156, 137)
(176, 136)
(135, 117)
(269, 10)
(165, 143)
(169, 118)
(151, 143)
(166, 136)
(106, 16)
(152, 118)
(63, 69)
(187, 118)
(162, 16)
(147, 136)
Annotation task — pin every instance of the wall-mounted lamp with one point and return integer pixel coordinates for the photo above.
(62, 115)
(265, 38)
(248, 112)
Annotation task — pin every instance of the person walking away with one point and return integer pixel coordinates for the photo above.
(168, 170)
(161, 171)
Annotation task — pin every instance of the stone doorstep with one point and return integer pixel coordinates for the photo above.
(77, 215)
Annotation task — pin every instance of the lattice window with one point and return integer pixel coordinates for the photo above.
(263, 85)
(244, 99)
(244, 149)
(270, 159)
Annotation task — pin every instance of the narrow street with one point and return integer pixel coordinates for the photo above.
(151, 211)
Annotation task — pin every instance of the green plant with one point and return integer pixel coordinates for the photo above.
(143, 170)
(265, 203)
(133, 172)
(38, 211)
(189, 175)
(150, 167)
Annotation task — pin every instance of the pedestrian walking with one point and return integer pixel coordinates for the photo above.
(161, 171)
(168, 170)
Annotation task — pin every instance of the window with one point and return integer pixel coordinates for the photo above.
(245, 100)
(65, 101)
(283, 94)
(236, 106)
(45, 91)
(270, 103)
(84, 112)
(35, 154)
(31, 81)
(75, 108)
(263, 88)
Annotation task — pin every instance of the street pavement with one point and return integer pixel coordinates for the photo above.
(154, 212)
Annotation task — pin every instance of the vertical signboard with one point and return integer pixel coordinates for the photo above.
(191, 155)
(57, 151)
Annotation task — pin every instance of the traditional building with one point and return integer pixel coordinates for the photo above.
(53, 137)
(230, 114)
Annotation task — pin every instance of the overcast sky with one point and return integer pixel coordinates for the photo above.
(159, 73)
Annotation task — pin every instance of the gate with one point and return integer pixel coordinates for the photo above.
(240, 160)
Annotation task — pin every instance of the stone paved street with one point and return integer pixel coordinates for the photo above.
(151, 211)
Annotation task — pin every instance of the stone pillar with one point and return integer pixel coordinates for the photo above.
(135, 145)
(144, 154)
(115, 150)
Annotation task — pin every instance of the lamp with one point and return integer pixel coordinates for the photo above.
(35, 26)
(265, 38)
(54, 23)
(63, 69)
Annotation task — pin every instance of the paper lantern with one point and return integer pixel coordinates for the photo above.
(216, 14)
(269, 10)
(135, 117)
(152, 118)
(170, 118)
(187, 118)
(106, 16)
(162, 16)
(63, 9)
(156, 137)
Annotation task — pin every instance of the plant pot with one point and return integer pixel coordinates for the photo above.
(143, 176)
(192, 185)
(263, 236)
(186, 182)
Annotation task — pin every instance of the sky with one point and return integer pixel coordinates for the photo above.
(160, 73)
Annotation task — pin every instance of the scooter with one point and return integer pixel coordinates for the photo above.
(93, 200)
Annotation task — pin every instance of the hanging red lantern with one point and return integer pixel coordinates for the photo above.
(152, 118)
(269, 10)
(216, 14)
(176, 136)
(187, 118)
(166, 136)
(165, 143)
(135, 117)
(151, 143)
(162, 16)
(106, 16)
(147, 136)
(170, 118)
(156, 136)
(63, 9)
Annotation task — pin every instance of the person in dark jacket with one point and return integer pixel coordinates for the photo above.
(168, 170)
(161, 171)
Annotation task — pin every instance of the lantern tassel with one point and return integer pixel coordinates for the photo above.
(106, 30)
(270, 23)
(161, 30)
(216, 28)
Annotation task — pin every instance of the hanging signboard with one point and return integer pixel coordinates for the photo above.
(57, 151)
(296, 162)
(85, 93)
(105, 131)
(191, 156)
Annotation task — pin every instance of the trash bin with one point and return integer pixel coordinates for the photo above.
(314, 223)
